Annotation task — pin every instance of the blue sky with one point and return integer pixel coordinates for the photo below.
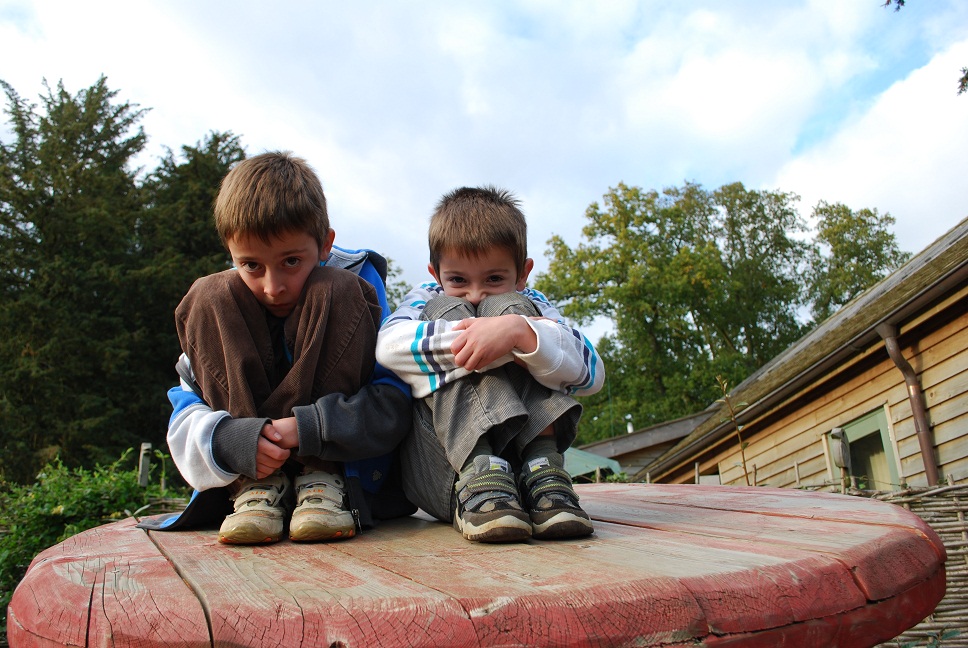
(396, 103)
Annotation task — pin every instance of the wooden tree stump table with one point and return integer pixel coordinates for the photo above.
(667, 566)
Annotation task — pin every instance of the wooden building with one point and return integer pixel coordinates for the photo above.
(883, 382)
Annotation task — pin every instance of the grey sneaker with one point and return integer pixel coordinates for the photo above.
(487, 503)
(260, 511)
(551, 501)
(320, 512)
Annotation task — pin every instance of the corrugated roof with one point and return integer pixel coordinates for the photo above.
(579, 463)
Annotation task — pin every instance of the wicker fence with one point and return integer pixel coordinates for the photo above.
(944, 509)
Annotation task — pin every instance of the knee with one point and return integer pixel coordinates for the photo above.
(445, 307)
(511, 303)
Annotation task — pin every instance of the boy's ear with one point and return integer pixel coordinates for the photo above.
(433, 273)
(523, 279)
(327, 245)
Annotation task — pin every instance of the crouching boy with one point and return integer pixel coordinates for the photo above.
(492, 367)
(282, 419)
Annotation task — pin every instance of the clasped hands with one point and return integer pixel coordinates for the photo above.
(482, 340)
(276, 441)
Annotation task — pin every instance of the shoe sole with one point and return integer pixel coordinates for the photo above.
(247, 534)
(562, 525)
(311, 532)
(505, 529)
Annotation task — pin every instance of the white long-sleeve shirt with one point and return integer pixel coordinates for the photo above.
(419, 351)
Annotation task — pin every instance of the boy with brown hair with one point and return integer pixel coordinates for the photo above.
(281, 405)
(492, 366)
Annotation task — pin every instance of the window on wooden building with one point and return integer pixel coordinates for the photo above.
(873, 465)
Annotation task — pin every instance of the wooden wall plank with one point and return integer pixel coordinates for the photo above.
(940, 356)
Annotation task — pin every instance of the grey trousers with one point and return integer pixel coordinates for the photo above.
(506, 404)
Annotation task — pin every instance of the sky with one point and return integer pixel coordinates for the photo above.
(396, 103)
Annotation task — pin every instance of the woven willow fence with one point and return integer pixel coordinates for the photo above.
(944, 509)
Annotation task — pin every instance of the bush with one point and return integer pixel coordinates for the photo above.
(61, 503)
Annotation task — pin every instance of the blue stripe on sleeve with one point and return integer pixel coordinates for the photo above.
(418, 354)
(181, 399)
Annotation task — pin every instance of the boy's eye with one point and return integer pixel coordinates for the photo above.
(457, 281)
(291, 262)
(495, 279)
(250, 266)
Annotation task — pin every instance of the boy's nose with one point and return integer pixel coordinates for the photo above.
(273, 286)
(475, 297)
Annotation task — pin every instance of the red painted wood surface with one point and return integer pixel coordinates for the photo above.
(667, 566)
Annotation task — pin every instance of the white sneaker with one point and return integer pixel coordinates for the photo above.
(320, 512)
(260, 511)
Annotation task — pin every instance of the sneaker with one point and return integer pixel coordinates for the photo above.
(320, 512)
(487, 503)
(260, 511)
(552, 502)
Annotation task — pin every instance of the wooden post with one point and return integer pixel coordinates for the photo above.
(697, 472)
(144, 464)
(796, 472)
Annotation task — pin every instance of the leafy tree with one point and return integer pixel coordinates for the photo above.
(862, 251)
(704, 286)
(697, 284)
(68, 204)
(177, 229)
(93, 263)
(764, 262)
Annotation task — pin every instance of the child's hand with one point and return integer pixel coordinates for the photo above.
(485, 339)
(282, 432)
(268, 457)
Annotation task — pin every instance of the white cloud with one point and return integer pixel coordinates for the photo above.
(396, 103)
(904, 155)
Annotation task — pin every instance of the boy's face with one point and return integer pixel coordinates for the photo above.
(475, 277)
(276, 271)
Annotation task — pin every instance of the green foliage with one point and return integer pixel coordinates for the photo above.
(93, 261)
(862, 251)
(63, 502)
(703, 283)
(697, 283)
(67, 206)
(397, 289)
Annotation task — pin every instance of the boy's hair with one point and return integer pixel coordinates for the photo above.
(271, 194)
(473, 220)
